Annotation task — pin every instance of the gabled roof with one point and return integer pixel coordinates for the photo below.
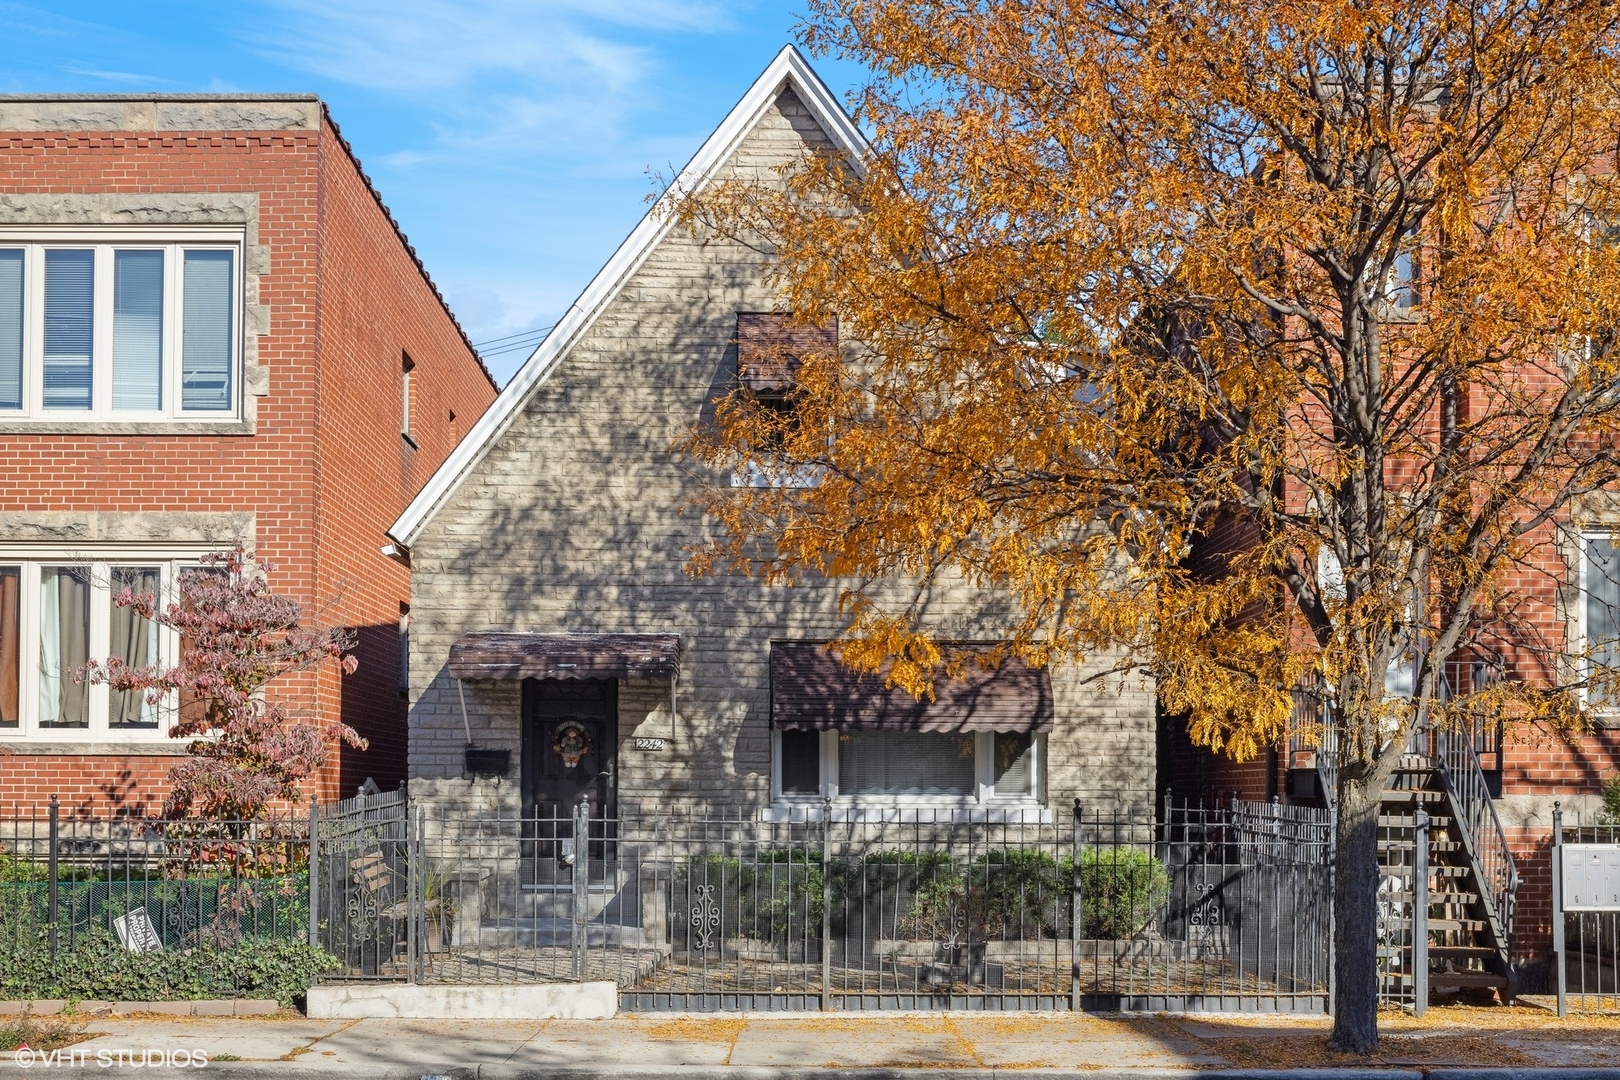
(788, 70)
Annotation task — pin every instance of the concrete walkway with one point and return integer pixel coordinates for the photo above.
(745, 1047)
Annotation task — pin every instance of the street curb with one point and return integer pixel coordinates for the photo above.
(275, 1070)
(269, 1070)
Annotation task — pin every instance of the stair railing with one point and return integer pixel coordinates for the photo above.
(1315, 732)
(1454, 751)
(1482, 828)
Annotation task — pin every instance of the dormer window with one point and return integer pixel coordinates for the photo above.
(771, 348)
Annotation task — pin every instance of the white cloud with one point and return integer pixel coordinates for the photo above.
(498, 74)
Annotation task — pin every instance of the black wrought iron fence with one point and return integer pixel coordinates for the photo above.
(1586, 915)
(80, 894)
(834, 908)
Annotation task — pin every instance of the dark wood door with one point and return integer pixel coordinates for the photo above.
(570, 752)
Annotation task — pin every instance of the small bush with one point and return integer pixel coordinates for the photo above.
(1120, 890)
(1611, 800)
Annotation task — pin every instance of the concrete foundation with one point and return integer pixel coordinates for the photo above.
(547, 1001)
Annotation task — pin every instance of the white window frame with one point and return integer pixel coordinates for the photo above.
(100, 560)
(174, 242)
(984, 763)
(1586, 538)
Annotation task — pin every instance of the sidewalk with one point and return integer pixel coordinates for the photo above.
(961, 1045)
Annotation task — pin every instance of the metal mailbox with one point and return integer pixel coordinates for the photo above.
(1591, 877)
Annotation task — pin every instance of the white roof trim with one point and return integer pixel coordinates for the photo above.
(789, 69)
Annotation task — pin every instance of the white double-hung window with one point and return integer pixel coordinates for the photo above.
(57, 612)
(120, 325)
(1600, 611)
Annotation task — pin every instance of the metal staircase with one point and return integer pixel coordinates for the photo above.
(1462, 938)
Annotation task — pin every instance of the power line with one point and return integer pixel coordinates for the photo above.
(541, 332)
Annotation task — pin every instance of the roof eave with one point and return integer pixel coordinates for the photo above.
(789, 68)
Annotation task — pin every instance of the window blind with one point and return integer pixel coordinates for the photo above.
(70, 276)
(905, 763)
(11, 328)
(205, 363)
(137, 330)
(1602, 601)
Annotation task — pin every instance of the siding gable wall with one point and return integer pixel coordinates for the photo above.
(579, 519)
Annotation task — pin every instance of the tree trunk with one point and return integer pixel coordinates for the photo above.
(1355, 912)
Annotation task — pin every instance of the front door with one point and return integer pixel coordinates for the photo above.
(570, 752)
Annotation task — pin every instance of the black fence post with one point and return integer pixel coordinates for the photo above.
(826, 904)
(50, 889)
(314, 874)
(412, 887)
(1076, 917)
(580, 892)
(1420, 912)
(1558, 906)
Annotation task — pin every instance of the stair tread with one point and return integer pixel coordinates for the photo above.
(1441, 979)
(1444, 924)
(1437, 871)
(1402, 821)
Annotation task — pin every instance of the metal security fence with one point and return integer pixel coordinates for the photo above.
(1586, 914)
(77, 885)
(1193, 908)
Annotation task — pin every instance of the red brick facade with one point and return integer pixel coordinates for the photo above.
(325, 467)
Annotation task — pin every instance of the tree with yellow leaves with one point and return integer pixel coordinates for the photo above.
(1119, 277)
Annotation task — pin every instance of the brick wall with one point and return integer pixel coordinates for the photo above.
(320, 471)
(580, 518)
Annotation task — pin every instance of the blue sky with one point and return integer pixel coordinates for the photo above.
(513, 139)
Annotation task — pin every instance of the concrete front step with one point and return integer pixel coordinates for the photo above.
(536, 933)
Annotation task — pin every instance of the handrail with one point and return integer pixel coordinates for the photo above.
(1458, 755)
(1314, 731)
(1482, 828)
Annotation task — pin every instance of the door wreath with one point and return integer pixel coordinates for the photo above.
(572, 742)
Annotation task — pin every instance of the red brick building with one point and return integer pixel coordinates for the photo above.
(210, 328)
(1571, 579)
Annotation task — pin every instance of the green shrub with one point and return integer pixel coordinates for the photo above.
(1611, 800)
(1120, 890)
(776, 897)
(98, 966)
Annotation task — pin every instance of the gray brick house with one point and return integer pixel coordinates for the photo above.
(559, 649)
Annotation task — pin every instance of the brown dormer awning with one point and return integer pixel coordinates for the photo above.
(495, 655)
(810, 689)
(771, 346)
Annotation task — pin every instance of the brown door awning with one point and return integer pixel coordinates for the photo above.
(810, 689)
(565, 656)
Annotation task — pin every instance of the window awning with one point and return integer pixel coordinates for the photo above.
(495, 655)
(811, 689)
(771, 347)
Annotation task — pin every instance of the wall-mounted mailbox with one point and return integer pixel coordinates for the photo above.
(482, 762)
(1591, 877)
